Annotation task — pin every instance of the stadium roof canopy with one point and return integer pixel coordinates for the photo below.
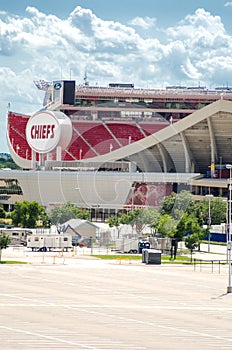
(190, 145)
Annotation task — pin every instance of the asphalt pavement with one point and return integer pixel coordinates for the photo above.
(76, 302)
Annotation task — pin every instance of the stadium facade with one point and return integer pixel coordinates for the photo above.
(114, 148)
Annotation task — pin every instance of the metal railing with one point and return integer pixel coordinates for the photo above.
(214, 265)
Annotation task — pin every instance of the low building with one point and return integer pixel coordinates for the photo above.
(80, 228)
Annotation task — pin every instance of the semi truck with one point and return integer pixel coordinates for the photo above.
(130, 245)
(44, 242)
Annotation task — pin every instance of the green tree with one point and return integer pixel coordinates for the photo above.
(148, 217)
(114, 221)
(60, 214)
(4, 242)
(217, 211)
(155, 221)
(7, 162)
(140, 218)
(133, 218)
(28, 214)
(83, 214)
(123, 219)
(177, 203)
(192, 242)
(2, 213)
(167, 226)
(189, 225)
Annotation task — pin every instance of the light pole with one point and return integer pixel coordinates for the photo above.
(229, 288)
(227, 225)
(209, 196)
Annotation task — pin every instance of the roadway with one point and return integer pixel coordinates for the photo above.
(84, 303)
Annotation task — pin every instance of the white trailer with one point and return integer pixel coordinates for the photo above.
(18, 235)
(39, 242)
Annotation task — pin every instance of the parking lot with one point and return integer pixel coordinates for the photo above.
(85, 303)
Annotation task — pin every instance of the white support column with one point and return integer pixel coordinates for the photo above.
(33, 159)
(213, 148)
(58, 153)
(163, 157)
(186, 153)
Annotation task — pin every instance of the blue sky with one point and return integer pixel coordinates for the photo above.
(166, 11)
(151, 43)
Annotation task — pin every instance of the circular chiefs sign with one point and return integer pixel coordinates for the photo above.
(43, 132)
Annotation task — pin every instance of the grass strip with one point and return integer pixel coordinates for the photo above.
(11, 262)
(164, 259)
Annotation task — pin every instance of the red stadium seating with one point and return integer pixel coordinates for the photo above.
(125, 133)
(97, 136)
(151, 128)
(78, 149)
(17, 134)
(89, 138)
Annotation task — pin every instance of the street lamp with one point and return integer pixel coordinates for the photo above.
(229, 288)
(227, 225)
(209, 196)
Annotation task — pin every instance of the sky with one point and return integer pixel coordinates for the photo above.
(150, 43)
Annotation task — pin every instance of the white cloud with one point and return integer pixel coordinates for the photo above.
(39, 46)
(145, 23)
(200, 24)
(205, 39)
(228, 4)
(110, 50)
(190, 70)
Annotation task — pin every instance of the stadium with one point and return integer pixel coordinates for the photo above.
(117, 148)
